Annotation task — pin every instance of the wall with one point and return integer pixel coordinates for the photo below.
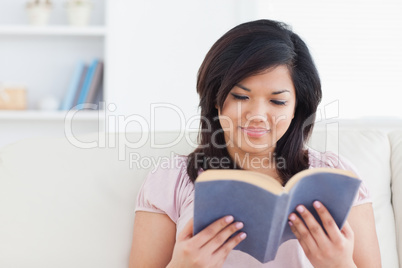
(156, 47)
(357, 49)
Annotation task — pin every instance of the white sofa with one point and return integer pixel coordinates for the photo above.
(70, 202)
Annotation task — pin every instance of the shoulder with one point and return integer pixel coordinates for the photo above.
(166, 188)
(168, 170)
(330, 160)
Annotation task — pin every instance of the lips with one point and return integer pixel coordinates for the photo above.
(255, 132)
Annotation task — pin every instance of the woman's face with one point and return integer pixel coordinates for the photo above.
(257, 112)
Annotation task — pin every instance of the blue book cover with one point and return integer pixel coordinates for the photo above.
(96, 84)
(73, 87)
(77, 94)
(87, 83)
(263, 205)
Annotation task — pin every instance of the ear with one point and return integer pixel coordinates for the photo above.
(216, 106)
(294, 110)
(218, 109)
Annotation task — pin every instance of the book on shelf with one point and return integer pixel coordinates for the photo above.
(89, 79)
(74, 86)
(99, 97)
(80, 84)
(86, 85)
(96, 84)
(264, 205)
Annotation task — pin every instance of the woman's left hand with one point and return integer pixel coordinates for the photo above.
(331, 249)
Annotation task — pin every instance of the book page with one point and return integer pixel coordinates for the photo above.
(258, 179)
(305, 173)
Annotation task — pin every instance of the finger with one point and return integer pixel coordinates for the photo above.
(297, 234)
(328, 222)
(304, 235)
(225, 249)
(347, 231)
(212, 230)
(187, 231)
(217, 241)
(313, 226)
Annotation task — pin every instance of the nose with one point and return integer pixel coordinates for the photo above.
(257, 112)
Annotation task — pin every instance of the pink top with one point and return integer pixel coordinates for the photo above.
(168, 190)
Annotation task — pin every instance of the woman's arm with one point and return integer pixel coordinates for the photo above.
(366, 250)
(153, 240)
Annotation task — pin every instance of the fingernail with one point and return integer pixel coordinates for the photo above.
(243, 235)
(316, 204)
(229, 219)
(239, 225)
(300, 209)
(290, 223)
(292, 217)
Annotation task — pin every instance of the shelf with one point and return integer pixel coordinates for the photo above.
(51, 115)
(24, 30)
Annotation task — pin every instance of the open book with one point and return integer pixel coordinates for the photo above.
(263, 205)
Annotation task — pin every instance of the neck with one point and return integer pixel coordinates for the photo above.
(262, 162)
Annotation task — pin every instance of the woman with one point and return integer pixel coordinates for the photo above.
(258, 87)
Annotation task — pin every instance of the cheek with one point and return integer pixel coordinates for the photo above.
(282, 118)
(283, 114)
(228, 115)
(283, 124)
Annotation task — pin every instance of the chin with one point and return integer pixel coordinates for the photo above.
(253, 146)
(258, 151)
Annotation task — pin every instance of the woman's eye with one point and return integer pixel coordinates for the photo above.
(239, 97)
(277, 102)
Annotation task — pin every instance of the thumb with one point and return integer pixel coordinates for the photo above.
(187, 231)
(347, 230)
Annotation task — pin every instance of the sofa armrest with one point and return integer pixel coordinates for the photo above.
(395, 138)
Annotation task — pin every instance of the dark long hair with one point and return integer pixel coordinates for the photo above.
(246, 50)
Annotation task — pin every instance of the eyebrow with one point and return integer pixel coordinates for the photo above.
(280, 92)
(273, 93)
(243, 87)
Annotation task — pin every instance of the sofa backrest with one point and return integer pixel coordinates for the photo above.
(70, 202)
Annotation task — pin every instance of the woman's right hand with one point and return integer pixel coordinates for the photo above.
(208, 248)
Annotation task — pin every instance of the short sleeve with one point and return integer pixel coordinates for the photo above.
(165, 189)
(329, 159)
